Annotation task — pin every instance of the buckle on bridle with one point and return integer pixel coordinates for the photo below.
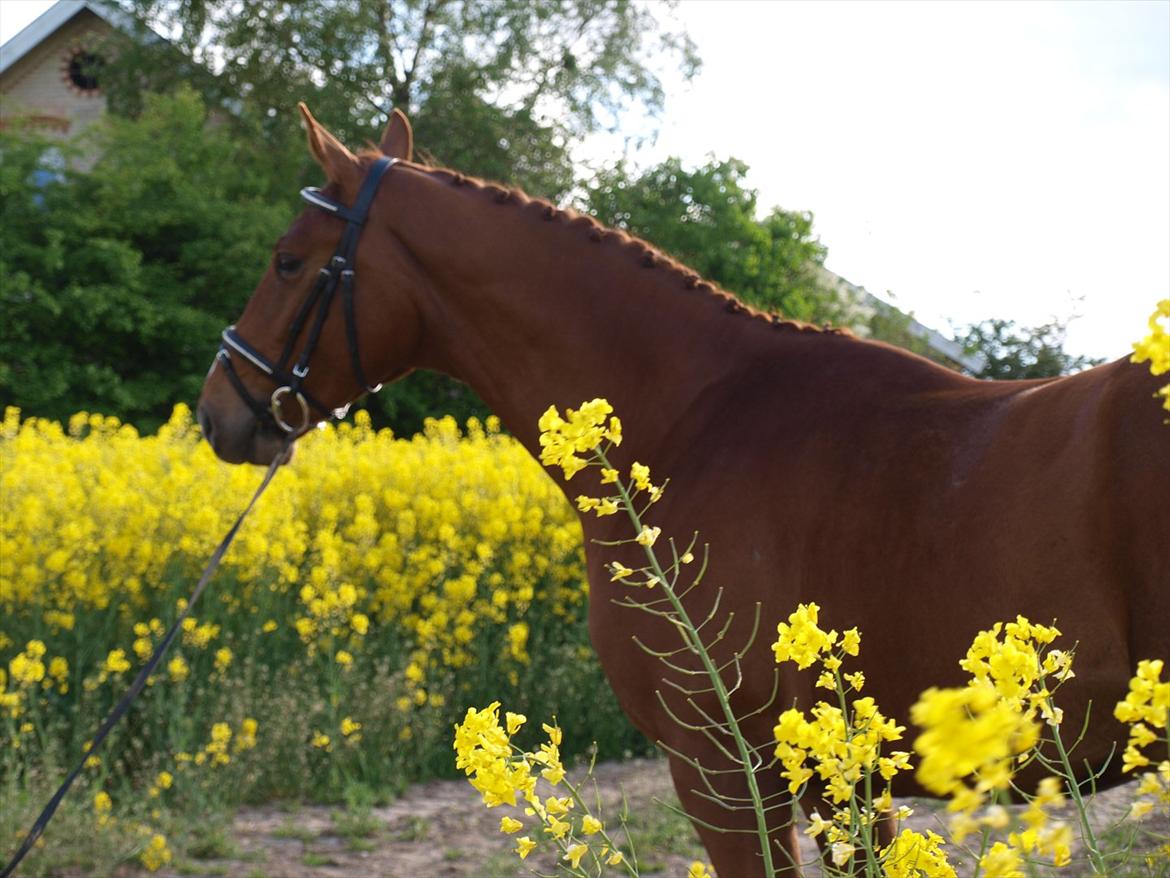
(274, 407)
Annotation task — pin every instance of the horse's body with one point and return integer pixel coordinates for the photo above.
(906, 500)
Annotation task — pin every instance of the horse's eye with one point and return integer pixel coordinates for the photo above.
(286, 265)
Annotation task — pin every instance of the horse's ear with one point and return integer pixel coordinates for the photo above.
(398, 138)
(340, 165)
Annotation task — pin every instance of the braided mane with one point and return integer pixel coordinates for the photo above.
(596, 232)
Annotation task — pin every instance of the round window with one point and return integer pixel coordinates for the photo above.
(83, 70)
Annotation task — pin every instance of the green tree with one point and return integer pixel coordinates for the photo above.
(707, 219)
(1012, 351)
(500, 89)
(116, 283)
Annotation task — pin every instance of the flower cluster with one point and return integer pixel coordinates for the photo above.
(974, 737)
(502, 773)
(1015, 664)
(434, 554)
(1146, 710)
(969, 743)
(839, 747)
(156, 854)
(913, 855)
(1155, 347)
(564, 439)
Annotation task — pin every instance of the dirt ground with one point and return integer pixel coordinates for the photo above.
(440, 830)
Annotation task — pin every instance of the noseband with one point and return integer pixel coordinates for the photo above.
(339, 272)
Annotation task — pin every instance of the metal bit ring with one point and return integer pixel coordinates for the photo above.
(275, 408)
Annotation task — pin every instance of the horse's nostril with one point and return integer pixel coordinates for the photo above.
(205, 424)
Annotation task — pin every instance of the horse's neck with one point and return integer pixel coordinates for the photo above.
(530, 313)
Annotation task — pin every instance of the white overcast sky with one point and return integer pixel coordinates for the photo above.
(974, 159)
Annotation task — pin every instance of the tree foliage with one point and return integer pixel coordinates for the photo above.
(707, 219)
(116, 283)
(499, 89)
(1012, 351)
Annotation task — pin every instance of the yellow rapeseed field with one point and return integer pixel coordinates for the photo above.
(380, 584)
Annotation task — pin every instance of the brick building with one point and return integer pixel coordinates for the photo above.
(50, 72)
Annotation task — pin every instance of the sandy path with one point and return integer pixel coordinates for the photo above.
(440, 830)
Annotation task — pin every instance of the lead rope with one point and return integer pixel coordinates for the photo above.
(140, 681)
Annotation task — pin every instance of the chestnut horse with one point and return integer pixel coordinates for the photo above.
(912, 502)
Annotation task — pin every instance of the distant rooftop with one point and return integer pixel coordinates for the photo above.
(938, 342)
(52, 20)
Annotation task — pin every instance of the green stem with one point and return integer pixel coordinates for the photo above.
(695, 643)
(1074, 790)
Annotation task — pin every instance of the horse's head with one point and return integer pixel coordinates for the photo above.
(306, 344)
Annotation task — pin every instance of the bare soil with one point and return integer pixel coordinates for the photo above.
(441, 830)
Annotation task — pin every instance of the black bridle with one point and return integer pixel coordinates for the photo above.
(338, 273)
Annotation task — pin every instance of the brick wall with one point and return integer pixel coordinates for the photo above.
(39, 85)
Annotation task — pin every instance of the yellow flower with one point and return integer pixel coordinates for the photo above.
(911, 855)
(1155, 347)
(620, 571)
(27, 668)
(116, 662)
(580, 432)
(518, 642)
(156, 854)
(801, 640)
(969, 732)
(514, 721)
(1001, 861)
(851, 641)
(321, 741)
(817, 824)
(246, 739)
(841, 852)
(590, 825)
(648, 536)
(640, 475)
(102, 805)
(524, 846)
(177, 669)
(575, 853)
(349, 726)
(164, 780)
(510, 825)
(223, 658)
(344, 658)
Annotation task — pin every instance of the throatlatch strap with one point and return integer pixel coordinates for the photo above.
(140, 681)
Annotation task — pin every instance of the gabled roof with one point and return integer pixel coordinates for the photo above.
(55, 17)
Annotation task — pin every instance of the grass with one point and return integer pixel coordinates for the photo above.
(656, 830)
(311, 858)
(356, 823)
(417, 829)
(212, 843)
(290, 829)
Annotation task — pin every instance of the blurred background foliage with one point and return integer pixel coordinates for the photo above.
(116, 280)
